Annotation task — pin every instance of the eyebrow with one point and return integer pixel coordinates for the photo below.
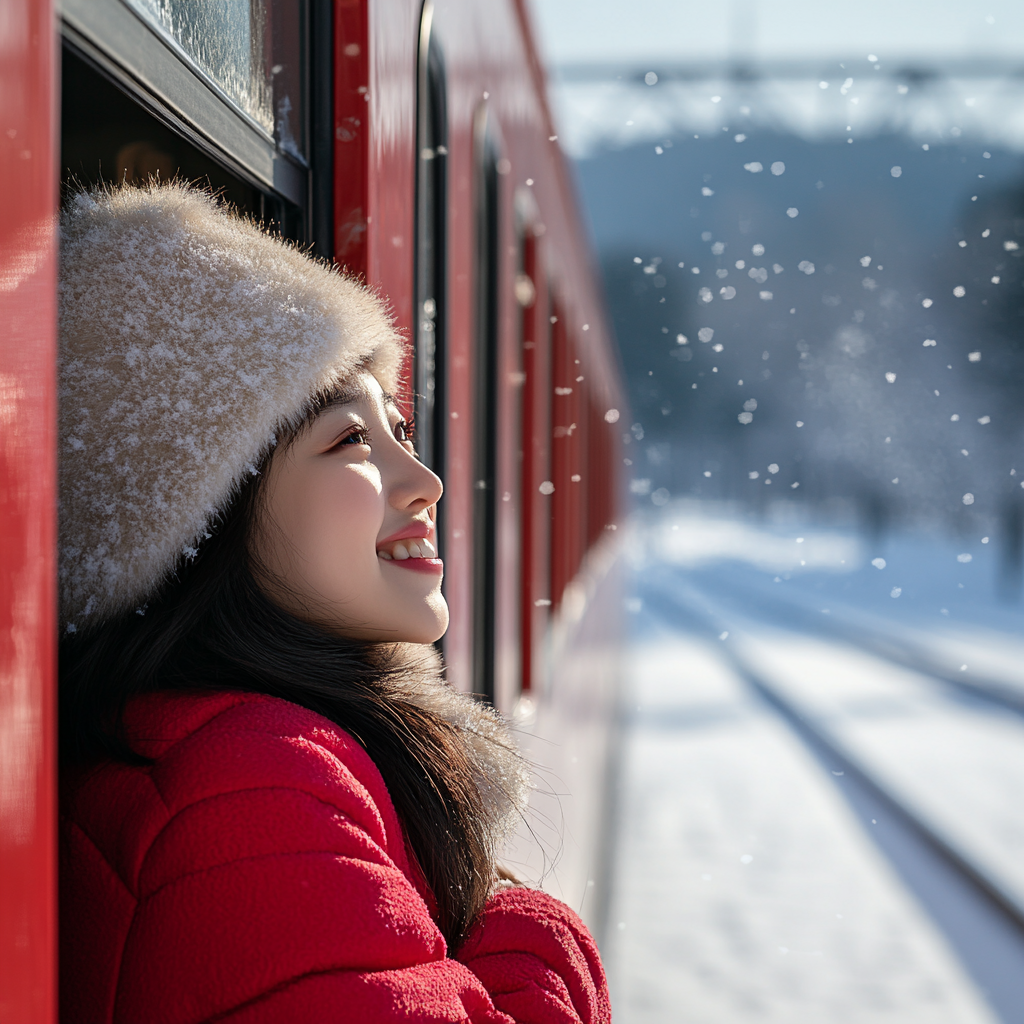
(345, 397)
(337, 398)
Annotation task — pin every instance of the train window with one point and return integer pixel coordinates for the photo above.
(228, 79)
(107, 136)
(251, 50)
(431, 248)
(488, 219)
(533, 590)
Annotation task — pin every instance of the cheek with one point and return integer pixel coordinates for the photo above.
(331, 518)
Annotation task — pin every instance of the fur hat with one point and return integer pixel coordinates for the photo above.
(188, 337)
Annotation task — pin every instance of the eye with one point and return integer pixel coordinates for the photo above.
(405, 431)
(356, 436)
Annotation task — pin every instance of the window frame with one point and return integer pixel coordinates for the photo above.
(116, 40)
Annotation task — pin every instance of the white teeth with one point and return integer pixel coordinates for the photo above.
(418, 547)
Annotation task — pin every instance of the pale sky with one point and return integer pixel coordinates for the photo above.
(638, 30)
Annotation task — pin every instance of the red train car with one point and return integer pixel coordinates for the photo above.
(412, 142)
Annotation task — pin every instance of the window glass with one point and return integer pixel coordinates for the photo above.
(250, 49)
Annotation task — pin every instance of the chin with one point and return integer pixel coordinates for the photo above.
(432, 628)
(424, 623)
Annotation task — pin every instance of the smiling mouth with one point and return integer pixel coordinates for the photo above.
(410, 549)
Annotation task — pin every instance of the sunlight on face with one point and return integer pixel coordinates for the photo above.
(347, 537)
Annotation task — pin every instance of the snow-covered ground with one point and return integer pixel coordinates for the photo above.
(946, 598)
(745, 886)
(957, 766)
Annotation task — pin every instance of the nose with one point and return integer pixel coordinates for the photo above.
(413, 486)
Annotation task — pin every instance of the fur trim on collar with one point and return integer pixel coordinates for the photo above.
(188, 337)
(501, 773)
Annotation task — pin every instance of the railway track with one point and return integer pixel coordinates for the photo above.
(867, 633)
(974, 899)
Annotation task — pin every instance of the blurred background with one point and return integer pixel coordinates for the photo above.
(809, 217)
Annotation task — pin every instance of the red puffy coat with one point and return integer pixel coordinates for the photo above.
(257, 872)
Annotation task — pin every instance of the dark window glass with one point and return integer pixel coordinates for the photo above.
(107, 136)
(431, 227)
(488, 200)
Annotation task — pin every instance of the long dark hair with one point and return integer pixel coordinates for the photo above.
(212, 628)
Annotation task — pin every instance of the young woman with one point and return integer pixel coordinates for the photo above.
(273, 807)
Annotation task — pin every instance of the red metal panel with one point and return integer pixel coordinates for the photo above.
(394, 29)
(351, 133)
(374, 147)
(566, 464)
(27, 512)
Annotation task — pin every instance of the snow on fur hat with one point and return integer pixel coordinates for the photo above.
(188, 336)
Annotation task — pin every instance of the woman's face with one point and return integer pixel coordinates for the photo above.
(347, 534)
